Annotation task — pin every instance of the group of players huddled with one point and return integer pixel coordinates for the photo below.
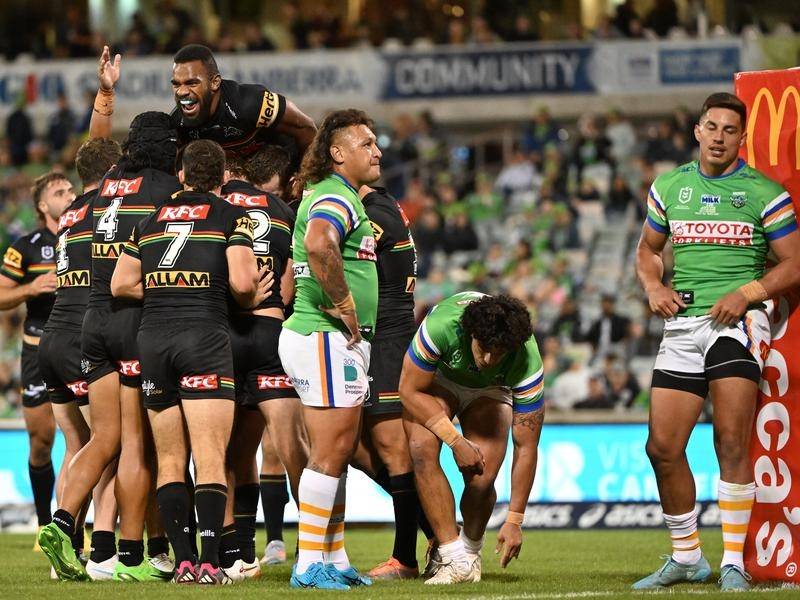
(206, 287)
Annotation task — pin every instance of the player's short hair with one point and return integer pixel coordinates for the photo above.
(203, 164)
(39, 186)
(265, 164)
(725, 100)
(317, 163)
(192, 52)
(498, 323)
(95, 157)
(152, 142)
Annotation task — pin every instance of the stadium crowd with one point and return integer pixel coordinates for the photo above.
(527, 223)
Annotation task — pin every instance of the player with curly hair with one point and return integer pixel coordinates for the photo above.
(474, 357)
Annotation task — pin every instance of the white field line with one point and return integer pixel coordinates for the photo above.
(602, 594)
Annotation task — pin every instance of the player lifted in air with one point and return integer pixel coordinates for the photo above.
(474, 357)
(323, 345)
(721, 217)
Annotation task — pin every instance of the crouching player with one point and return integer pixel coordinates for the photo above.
(474, 357)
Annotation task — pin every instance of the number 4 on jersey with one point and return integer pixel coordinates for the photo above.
(108, 222)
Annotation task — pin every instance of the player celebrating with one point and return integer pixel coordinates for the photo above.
(474, 357)
(322, 345)
(183, 259)
(28, 275)
(721, 216)
(240, 117)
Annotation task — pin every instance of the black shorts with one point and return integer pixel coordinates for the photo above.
(60, 362)
(108, 344)
(185, 360)
(34, 391)
(385, 364)
(258, 370)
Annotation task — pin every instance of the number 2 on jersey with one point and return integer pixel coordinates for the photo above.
(182, 232)
(108, 222)
(263, 227)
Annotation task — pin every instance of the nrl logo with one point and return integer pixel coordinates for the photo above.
(738, 199)
(685, 195)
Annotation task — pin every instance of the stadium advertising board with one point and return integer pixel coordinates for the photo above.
(601, 470)
(772, 548)
(699, 64)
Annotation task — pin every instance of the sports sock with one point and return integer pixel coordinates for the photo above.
(317, 495)
(192, 512)
(103, 546)
(77, 539)
(43, 480)
(174, 504)
(334, 534)
(685, 537)
(454, 551)
(471, 546)
(274, 497)
(735, 505)
(245, 505)
(210, 498)
(383, 479)
(406, 507)
(131, 552)
(64, 521)
(228, 547)
(157, 545)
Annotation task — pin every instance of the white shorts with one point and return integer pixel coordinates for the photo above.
(687, 340)
(467, 395)
(323, 370)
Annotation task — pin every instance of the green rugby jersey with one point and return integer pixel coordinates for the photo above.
(720, 228)
(337, 202)
(441, 344)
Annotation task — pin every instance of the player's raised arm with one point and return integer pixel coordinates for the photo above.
(101, 123)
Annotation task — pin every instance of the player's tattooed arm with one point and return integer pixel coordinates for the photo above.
(325, 259)
(525, 430)
(531, 420)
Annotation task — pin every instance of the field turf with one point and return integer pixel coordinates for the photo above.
(553, 565)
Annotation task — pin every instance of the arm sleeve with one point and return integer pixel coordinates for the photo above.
(383, 227)
(778, 217)
(240, 228)
(15, 262)
(527, 380)
(338, 211)
(131, 247)
(270, 106)
(429, 343)
(656, 211)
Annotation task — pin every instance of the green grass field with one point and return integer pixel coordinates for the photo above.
(553, 565)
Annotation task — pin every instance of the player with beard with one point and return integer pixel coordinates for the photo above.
(184, 260)
(60, 348)
(261, 383)
(240, 117)
(140, 182)
(28, 275)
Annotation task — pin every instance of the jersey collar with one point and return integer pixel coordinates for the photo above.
(344, 181)
(739, 165)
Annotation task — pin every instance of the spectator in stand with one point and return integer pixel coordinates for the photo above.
(19, 131)
(430, 142)
(597, 397)
(591, 146)
(255, 40)
(564, 232)
(459, 235)
(60, 126)
(609, 329)
(138, 39)
(517, 177)
(481, 33)
(427, 232)
(621, 385)
(567, 326)
(570, 387)
(605, 29)
(660, 143)
(174, 22)
(456, 32)
(554, 361)
(662, 17)
(540, 132)
(485, 208)
(523, 30)
(73, 37)
(683, 122)
(622, 135)
(637, 30)
(626, 12)
(619, 197)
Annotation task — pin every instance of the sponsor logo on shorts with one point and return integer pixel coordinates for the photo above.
(270, 382)
(149, 388)
(188, 279)
(113, 251)
(200, 382)
(31, 391)
(240, 199)
(70, 217)
(130, 367)
(184, 212)
(80, 388)
(74, 279)
(121, 187)
(301, 385)
(86, 366)
(732, 233)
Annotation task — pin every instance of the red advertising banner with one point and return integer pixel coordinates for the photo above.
(772, 548)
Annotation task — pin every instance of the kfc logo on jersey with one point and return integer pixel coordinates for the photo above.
(130, 367)
(121, 187)
(200, 382)
(240, 199)
(79, 388)
(730, 233)
(272, 382)
(70, 217)
(184, 212)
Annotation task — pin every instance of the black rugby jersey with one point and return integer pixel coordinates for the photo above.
(244, 120)
(182, 249)
(272, 237)
(73, 263)
(26, 259)
(125, 197)
(397, 264)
